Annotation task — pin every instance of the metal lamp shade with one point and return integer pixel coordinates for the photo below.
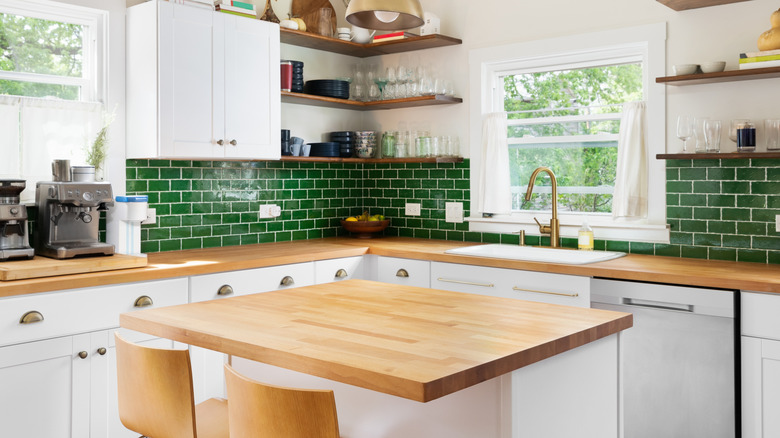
(385, 14)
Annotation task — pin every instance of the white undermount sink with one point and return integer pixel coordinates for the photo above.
(536, 254)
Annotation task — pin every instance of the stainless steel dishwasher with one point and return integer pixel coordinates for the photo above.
(679, 360)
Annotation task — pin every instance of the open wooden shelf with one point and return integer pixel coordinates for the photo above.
(330, 102)
(373, 160)
(719, 156)
(682, 5)
(723, 76)
(335, 45)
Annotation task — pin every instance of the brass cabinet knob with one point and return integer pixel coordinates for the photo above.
(101, 351)
(224, 290)
(402, 273)
(342, 273)
(233, 142)
(287, 281)
(31, 317)
(143, 301)
(220, 142)
(83, 354)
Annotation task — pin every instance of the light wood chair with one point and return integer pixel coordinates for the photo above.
(156, 395)
(258, 410)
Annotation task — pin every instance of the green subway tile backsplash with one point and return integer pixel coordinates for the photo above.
(717, 209)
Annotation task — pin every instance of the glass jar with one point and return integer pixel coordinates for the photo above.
(388, 144)
(746, 137)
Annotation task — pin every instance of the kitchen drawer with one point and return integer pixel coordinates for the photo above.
(760, 315)
(250, 281)
(404, 271)
(82, 310)
(542, 287)
(328, 271)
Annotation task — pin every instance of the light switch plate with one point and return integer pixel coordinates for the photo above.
(412, 209)
(151, 216)
(269, 211)
(777, 223)
(454, 212)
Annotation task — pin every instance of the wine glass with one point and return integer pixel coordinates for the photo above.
(390, 89)
(684, 130)
(382, 84)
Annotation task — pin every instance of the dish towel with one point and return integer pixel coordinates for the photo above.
(630, 196)
(495, 194)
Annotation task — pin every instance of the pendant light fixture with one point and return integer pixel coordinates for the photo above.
(385, 14)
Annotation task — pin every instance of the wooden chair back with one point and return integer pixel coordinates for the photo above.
(155, 390)
(258, 410)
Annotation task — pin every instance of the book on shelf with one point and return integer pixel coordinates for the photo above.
(759, 59)
(393, 36)
(236, 11)
(244, 5)
(759, 64)
(757, 54)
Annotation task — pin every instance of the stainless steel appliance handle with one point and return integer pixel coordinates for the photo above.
(546, 292)
(658, 305)
(470, 283)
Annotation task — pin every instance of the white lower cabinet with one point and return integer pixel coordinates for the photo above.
(760, 365)
(329, 271)
(207, 366)
(57, 374)
(404, 271)
(569, 290)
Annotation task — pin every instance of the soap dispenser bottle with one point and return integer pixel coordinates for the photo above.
(585, 240)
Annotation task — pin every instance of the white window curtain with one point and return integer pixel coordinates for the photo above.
(37, 131)
(630, 196)
(495, 194)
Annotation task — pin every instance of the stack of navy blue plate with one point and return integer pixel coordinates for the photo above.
(328, 88)
(297, 77)
(346, 140)
(326, 149)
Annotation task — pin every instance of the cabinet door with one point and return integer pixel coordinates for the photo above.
(760, 387)
(189, 104)
(45, 389)
(250, 80)
(404, 271)
(328, 271)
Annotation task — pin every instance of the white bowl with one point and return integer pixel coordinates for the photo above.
(713, 67)
(685, 69)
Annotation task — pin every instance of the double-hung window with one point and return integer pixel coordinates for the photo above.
(51, 85)
(564, 102)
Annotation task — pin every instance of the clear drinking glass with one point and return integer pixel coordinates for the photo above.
(423, 147)
(698, 134)
(712, 130)
(685, 130)
(772, 134)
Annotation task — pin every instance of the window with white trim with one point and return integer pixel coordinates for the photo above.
(563, 98)
(51, 85)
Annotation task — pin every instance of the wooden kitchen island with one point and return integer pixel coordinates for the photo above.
(414, 362)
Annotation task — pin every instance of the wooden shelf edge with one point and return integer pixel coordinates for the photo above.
(372, 160)
(684, 5)
(719, 156)
(330, 102)
(335, 45)
(723, 76)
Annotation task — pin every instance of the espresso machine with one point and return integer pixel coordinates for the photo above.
(69, 213)
(14, 239)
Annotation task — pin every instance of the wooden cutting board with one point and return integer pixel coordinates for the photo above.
(46, 267)
(308, 10)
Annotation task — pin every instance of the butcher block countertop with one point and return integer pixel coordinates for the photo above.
(673, 270)
(416, 343)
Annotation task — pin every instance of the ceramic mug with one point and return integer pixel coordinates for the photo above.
(343, 33)
(362, 36)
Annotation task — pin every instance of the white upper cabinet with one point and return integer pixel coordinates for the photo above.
(201, 84)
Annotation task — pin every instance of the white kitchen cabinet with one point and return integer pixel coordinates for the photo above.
(201, 84)
(347, 268)
(542, 287)
(404, 271)
(760, 365)
(56, 373)
(207, 366)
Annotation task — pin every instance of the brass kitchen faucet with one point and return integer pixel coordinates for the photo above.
(554, 228)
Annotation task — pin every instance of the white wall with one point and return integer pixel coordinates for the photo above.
(694, 36)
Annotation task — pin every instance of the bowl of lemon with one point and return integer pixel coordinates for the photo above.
(365, 226)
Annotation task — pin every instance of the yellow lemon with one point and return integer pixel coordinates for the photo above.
(351, 219)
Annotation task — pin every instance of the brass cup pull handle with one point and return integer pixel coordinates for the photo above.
(143, 301)
(233, 142)
(225, 290)
(342, 273)
(83, 354)
(31, 317)
(220, 142)
(102, 351)
(402, 273)
(287, 281)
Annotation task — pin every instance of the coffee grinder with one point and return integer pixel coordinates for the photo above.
(14, 239)
(69, 212)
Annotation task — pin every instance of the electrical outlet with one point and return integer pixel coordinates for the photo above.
(777, 223)
(454, 212)
(412, 209)
(269, 211)
(151, 216)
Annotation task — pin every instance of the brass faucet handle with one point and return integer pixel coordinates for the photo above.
(544, 229)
